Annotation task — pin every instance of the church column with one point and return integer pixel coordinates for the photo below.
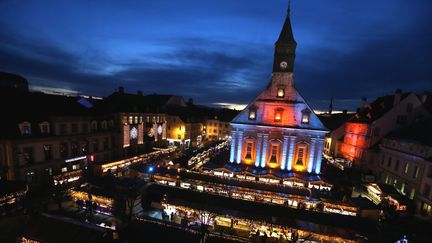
(284, 152)
(291, 152)
(311, 155)
(233, 145)
(239, 146)
(317, 164)
(264, 151)
(258, 150)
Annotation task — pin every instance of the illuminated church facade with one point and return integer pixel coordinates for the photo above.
(278, 129)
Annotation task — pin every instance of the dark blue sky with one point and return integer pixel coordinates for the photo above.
(219, 51)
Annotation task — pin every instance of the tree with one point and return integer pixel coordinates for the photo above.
(205, 219)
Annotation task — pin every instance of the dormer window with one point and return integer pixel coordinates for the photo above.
(278, 116)
(44, 127)
(252, 114)
(25, 128)
(305, 116)
(280, 92)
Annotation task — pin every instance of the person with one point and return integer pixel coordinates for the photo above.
(265, 236)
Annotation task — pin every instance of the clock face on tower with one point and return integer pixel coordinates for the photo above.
(283, 65)
(133, 133)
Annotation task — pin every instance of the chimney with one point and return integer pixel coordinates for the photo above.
(344, 112)
(121, 89)
(397, 97)
(363, 103)
(424, 97)
(139, 92)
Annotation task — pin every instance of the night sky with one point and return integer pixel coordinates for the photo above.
(219, 51)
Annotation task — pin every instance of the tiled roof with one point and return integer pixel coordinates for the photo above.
(336, 120)
(419, 132)
(376, 109)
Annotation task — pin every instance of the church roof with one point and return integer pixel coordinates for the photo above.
(291, 107)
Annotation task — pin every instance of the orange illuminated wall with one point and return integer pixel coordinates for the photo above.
(355, 140)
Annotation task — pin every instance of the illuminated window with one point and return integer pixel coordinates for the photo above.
(64, 169)
(104, 124)
(411, 196)
(130, 120)
(252, 115)
(248, 150)
(280, 92)
(406, 168)
(47, 152)
(75, 167)
(273, 157)
(300, 156)
(278, 117)
(396, 165)
(44, 128)
(305, 118)
(416, 172)
(25, 128)
(135, 119)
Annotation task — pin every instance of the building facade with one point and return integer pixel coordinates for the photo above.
(216, 129)
(58, 147)
(406, 164)
(374, 121)
(278, 129)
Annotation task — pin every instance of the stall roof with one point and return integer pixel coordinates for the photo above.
(51, 228)
(364, 203)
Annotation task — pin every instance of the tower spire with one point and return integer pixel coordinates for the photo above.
(285, 47)
(331, 106)
(289, 8)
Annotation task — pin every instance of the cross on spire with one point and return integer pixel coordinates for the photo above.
(289, 7)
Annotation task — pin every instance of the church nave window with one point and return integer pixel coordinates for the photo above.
(300, 156)
(249, 146)
(273, 154)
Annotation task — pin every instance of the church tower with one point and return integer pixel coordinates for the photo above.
(285, 46)
(278, 129)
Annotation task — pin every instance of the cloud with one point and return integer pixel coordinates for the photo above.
(370, 53)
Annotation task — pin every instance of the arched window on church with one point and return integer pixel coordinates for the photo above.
(249, 146)
(273, 153)
(301, 155)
